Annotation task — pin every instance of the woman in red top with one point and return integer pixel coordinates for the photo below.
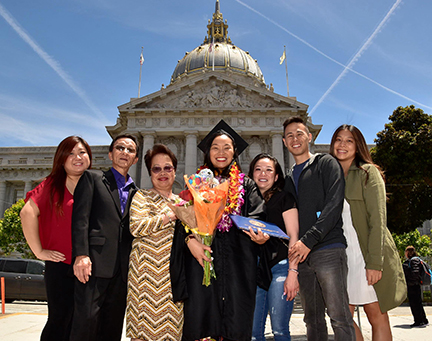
(46, 221)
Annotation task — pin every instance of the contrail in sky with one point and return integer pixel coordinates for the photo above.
(350, 64)
(357, 56)
(49, 60)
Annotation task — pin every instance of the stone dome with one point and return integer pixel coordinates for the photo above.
(221, 56)
(217, 53)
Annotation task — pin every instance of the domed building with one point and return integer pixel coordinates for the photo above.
(216, 80)
(217, 53)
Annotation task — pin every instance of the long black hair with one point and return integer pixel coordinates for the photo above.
(58, 175)
(279, 183)
(207, 161)
(362, 154)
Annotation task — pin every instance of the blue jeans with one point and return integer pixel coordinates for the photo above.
(323, 284)
(274, 302)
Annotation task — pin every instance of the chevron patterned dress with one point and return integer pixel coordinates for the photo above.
(151, 313)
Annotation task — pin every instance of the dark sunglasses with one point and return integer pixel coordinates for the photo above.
(157, 169)
(121, 148)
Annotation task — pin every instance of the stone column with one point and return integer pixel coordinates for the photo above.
(148, 142)
(291, 160)
(278, 148)
(28, 186)
(2, 197)
(133, 172)
(191, 152)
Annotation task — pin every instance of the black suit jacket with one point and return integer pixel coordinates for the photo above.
(99, 229)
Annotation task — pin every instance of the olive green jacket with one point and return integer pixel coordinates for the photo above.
(367, 199)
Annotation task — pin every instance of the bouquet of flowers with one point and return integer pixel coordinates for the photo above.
(206, 198)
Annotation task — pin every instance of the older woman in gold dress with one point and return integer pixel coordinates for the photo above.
(151, 312)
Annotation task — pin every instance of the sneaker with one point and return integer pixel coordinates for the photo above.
(418, 325)
(424, 324)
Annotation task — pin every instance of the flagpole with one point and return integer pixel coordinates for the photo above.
(141, 64)
(286, 70)
(213, 53)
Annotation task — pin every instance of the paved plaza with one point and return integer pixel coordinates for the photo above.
(25, 320)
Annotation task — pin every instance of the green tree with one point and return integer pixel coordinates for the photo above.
(403, 150)
(422, 244)
(11, 234)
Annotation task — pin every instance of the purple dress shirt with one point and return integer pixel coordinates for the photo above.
(123, 187)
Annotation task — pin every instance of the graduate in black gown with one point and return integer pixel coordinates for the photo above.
(224, 310)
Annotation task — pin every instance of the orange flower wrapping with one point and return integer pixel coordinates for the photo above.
(209, 204)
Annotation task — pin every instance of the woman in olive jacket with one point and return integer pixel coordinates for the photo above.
(366, 196)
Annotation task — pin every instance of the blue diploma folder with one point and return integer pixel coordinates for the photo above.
(243, 223)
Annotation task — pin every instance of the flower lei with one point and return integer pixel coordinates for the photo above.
(235, 199)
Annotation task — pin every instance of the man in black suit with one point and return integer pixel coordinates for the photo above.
(101, 243)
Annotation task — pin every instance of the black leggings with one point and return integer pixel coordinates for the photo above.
(59, 283)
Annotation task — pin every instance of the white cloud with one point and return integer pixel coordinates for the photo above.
(20, 106)
(36, 123)
(14, 129)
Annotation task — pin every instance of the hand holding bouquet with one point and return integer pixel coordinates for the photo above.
(209, 199)
(183, 208)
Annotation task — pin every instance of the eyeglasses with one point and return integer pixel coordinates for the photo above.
(166, 169)
(121, 148)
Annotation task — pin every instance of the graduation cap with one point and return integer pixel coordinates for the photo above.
(223, 127)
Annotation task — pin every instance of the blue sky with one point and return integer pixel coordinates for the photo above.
(65, 66)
